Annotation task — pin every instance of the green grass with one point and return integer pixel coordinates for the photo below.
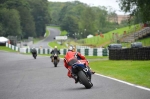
(54, 43)
(98, 41)
(145, 41)
(63, 33)
(136, 72)
(3, 48)
(107, 39)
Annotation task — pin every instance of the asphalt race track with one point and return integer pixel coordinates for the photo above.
(23, 77)
(44, 43)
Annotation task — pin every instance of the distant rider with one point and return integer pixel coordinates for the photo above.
(34, 51)
(55, 50)
(72, 57)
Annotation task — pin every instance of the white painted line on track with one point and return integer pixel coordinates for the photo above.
(141, 87)
(124, 82)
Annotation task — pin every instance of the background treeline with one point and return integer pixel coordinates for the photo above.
(28, 18)
(81, 19)
(24, 18)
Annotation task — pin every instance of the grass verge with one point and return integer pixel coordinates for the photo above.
(3, 48)
(54, 43)
(136, 72)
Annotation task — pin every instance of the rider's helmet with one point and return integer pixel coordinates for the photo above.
(71, 48)
(55, 47)
(33, 47)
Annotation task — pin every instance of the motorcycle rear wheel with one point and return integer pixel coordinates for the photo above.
(84, 80)
(55, 62)
(34, 56)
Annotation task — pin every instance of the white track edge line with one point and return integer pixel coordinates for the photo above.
(141, 87)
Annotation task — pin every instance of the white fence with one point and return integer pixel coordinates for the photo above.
(83, 51)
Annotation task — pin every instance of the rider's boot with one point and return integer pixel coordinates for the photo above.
(58, 59)
(93, 72)
(52, 59)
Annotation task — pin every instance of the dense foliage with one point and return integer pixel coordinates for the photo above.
(24, 18)
(139, 8)
(80, 19)
(28, 18)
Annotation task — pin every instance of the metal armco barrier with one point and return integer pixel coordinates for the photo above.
(130, 54)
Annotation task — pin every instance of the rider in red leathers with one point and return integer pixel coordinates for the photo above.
(72, 57)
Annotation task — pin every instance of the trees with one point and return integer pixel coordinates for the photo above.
(140, 8)
(40, 13)
(88, 19)
(23, 17)
(17, 18)
(27, 23)
(9, 22)
(70, 24)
